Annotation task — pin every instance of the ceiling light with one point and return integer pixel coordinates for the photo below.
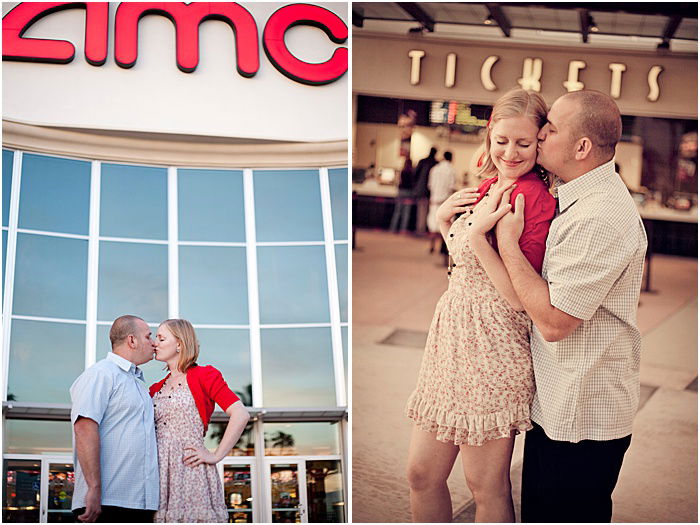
(489, 21)
(592, 26)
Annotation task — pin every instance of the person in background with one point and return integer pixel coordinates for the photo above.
(420, 190)
(441, 182)
(114, 439)
(404, 199)
(190, 488)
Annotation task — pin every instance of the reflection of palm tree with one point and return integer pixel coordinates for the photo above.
(282, 440)
(11, 397)
(246, 441)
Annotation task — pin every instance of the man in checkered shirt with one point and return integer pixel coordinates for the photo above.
(585, 341)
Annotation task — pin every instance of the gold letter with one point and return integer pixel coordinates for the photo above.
(532, 72)
(573, 83)
(653, 81)
(416, 55)
(450, 70)
(616, 82)
(486, 73)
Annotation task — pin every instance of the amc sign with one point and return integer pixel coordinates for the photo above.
(186, 18)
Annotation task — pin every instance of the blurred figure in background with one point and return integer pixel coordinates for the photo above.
(404, 199)
(441, 181)
(420, 189)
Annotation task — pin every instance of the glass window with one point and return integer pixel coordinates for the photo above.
(293, 284)
(244, 447)
(7, 158)
(50, 277)
(228, 350)
(153, 371)
(55, 194)
(210, 205)
(213, 284)
(21, 491)
(133, 202)
(341, 267)
(133, 279)
(301, 439)
(238, 493)
(35, 343)
(338, 179)
(27, 436)
(324, 490)
(4, 257)
(297, 367)
(288, 205)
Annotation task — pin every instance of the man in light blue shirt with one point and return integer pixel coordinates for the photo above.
(114, 439)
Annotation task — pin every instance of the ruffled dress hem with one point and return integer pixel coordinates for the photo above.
(467, 429)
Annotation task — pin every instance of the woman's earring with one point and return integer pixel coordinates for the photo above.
(178, 349)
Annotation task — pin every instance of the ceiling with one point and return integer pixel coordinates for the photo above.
(657, 23)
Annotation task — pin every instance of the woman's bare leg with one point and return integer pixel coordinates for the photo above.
(429, 465)
(487, 469)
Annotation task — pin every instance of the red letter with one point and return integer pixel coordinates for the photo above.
(19, 20)
(290, 66)
(187, 19)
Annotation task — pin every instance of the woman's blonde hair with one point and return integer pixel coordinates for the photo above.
(183, 331)
(516, 103)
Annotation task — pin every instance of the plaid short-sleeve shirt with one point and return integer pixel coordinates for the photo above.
(588, 383)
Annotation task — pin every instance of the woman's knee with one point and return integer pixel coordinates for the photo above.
(422, 477)
(485, 485)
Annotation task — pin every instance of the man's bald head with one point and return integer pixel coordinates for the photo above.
(597, 118)
(123, 327)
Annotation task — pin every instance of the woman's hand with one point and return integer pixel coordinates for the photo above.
(199, 456)
(491, 211)
(456, 203)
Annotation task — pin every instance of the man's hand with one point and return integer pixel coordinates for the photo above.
(510, 227)
(93, 505)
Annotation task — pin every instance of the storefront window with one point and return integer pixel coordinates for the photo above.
(133, 278)
(210, 205)
(297, 367)
(324, 491)
(54, 194)
(213, 284)
(341, 266)
(30, 436)
(293, 284)
(50, 276)
(133, 202)
(288, 206)
(301, 439)
(7, 157)
(35, 344)
(21, 491)
(338, 179)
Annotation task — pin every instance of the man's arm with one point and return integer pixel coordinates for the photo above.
(87, 447)
(533, 291)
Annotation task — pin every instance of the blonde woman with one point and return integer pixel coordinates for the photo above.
(190, 488)
(476, 381)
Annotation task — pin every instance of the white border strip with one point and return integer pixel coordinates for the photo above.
(173, 252)
(93, 265)
(300, 325)
(126, 239)
(206, 243)
(291, 243)
(253, 297)
(333, 300)
(10, 253)
(49, 319)
(55, 234)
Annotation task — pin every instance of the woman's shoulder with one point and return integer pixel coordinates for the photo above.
(203, 372)
(532, 185)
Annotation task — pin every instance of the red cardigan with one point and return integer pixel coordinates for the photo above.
(207, 386)
(540, 207)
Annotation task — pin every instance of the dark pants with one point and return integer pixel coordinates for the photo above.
(111, 514)
(569, 482)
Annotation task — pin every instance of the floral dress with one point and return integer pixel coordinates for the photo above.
(476, 381)
(187, 494)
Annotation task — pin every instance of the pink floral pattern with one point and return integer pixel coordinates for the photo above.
(187, 494)
(476, 381)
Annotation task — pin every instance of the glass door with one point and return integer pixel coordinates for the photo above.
(21, 490)
(324, 489)
(239, 483)
(286, 491)
(57, 489)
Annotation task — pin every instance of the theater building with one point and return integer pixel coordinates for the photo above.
(161, 163)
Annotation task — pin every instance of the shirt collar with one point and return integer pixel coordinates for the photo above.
(125, 365)
(570, 192)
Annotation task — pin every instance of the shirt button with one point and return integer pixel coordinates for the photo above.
(453, 265)
(469, 224)
(452, 234)
(449, 273)
(471, 211)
